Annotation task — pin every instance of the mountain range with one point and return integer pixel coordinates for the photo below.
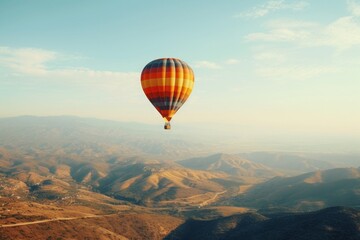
(309, 191)
(231, 164)
(93, 136)
(62, 176)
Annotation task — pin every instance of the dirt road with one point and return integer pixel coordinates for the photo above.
(51, 220)
(206, 202)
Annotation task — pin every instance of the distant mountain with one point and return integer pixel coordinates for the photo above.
(308, 191)
(338, 159)
(231, 164)
(293, 163)
(270, 164)
(87, 136)
(328, 224)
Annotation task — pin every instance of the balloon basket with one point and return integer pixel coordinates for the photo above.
(167, 126)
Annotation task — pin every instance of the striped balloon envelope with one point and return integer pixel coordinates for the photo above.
(167, 83)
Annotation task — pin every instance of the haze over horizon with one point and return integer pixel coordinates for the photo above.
(266, 147)
(267, 73)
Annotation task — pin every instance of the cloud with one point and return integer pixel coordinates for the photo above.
(272, 6)
(344, 33)
(213, 65)
(279, 35)
(37, 66)
(31, 62)
(269, 56)
(207, 65)
(232, 61)
(341, 34)
(293, 72)
(293, 24)
(26, 60)
(285, 31)
(354, 7)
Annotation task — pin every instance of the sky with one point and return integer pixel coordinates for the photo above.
(265, 68)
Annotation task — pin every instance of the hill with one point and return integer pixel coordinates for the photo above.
(269, 164)
(332, 223)
(308, 191)
(231, 164)
(297, 163)
(155, 182)
(139, 180)
(116, 226)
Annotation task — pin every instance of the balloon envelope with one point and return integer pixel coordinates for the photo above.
(167, 83)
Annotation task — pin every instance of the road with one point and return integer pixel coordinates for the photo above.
(206, 202)
(52, 220)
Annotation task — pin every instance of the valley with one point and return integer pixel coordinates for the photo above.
(74, 178)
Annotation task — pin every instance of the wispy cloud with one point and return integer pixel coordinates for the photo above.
(344, 33)
(285, 31)
(278, 62)
(215, 65)
(354, 7)
(207, 64)
(272, 6)
(26, 60)
(341, 34)
(269, 56)
(293, 72)
(232, 61)
(279, 35)
(35, 65)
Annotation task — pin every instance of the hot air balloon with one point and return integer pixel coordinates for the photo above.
(167, 83)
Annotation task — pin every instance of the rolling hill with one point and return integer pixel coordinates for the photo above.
(76, 178)
(136, 179)
(327, 224)
(270, 164)
(157, 182)
(231, 164)
(315, 190)
(297, 163)
(114, 226)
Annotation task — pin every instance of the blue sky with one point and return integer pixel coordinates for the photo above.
(261, 67)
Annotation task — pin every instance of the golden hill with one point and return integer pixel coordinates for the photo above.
(231, 164)
(116, 226)
(160, 182)
(315, 190)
